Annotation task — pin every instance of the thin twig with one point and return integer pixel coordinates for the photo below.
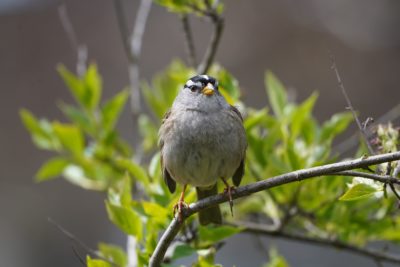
(296, 176)
(79, 49)
(132, 45)
(376, 177)
(209, 55)
(80, 259)
(373, 254)
(190, 48)
(353, 141)
(350, 106)
(79, 242)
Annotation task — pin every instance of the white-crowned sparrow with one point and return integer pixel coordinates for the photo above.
(202, 139)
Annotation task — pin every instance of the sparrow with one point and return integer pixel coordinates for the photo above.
(201, 140)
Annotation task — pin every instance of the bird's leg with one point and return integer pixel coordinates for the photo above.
(228, 189)
(181, 204)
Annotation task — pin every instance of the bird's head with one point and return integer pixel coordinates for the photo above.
(201, 92)
(202, 84)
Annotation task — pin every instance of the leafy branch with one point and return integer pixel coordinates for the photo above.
(296, 176)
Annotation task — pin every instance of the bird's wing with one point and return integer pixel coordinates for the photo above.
(166, 175)
(237, 176)
(237, 112)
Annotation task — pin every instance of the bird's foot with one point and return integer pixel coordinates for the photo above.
(179, 207)
(228, 190)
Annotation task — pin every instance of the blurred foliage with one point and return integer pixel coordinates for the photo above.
(276, 260)
(90, 153)
(197, 7)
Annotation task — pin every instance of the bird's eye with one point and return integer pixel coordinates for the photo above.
(192, 88)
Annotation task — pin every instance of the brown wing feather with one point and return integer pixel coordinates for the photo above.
(166, 175)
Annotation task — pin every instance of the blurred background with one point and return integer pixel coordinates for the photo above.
(291, 38)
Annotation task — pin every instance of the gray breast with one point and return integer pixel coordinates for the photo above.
(204, 147)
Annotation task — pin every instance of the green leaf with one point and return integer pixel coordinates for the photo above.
(51, 169)
(93, 87)
(301, 115)
(74, 84)
(41, 131)
(226, 82)
(70, 137)
(126, 219)
(96, 262)
(165, 86)
(177, 6)
(255, 118)
(337, 124)
(359, 191)
(149, 133)
(206, 258)
(182, 250)
(114, 254)
(210, 234)
(112, 109)
(134, 169)
(276, 93)
(154, 210)
(276, 260)
(79, 117)
(126, 192)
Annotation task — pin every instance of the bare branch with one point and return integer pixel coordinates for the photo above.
(350, 106)
(352, 142)
(79, 49)
(190, 48)
(132, 44)
(77, 241)
(296, 176)
(372, 254)
(209, 55)
(376, 177)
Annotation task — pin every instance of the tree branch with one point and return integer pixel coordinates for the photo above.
(373, 254)
(353, 141)
(79, 49)
(363, 132)
(190, 48)
(296, 176)
(132, 45)
(213, 45)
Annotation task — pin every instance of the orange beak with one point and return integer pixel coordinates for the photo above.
(208, 90)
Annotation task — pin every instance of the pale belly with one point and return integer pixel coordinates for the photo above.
(205, 149)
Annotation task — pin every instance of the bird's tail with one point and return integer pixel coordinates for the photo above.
(212, 214)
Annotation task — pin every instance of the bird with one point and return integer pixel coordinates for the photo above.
(201, 140)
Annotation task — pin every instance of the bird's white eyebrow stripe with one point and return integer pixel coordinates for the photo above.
(205, 77)
(189, 83)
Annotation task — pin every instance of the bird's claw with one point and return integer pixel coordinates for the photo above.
(228, 190)
(179, 206)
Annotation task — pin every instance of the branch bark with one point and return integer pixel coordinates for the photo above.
(296, 176)
(363, 132)
(373, 254)
(133, 44)
(79, 49)
(209, 55)
(190, 48)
